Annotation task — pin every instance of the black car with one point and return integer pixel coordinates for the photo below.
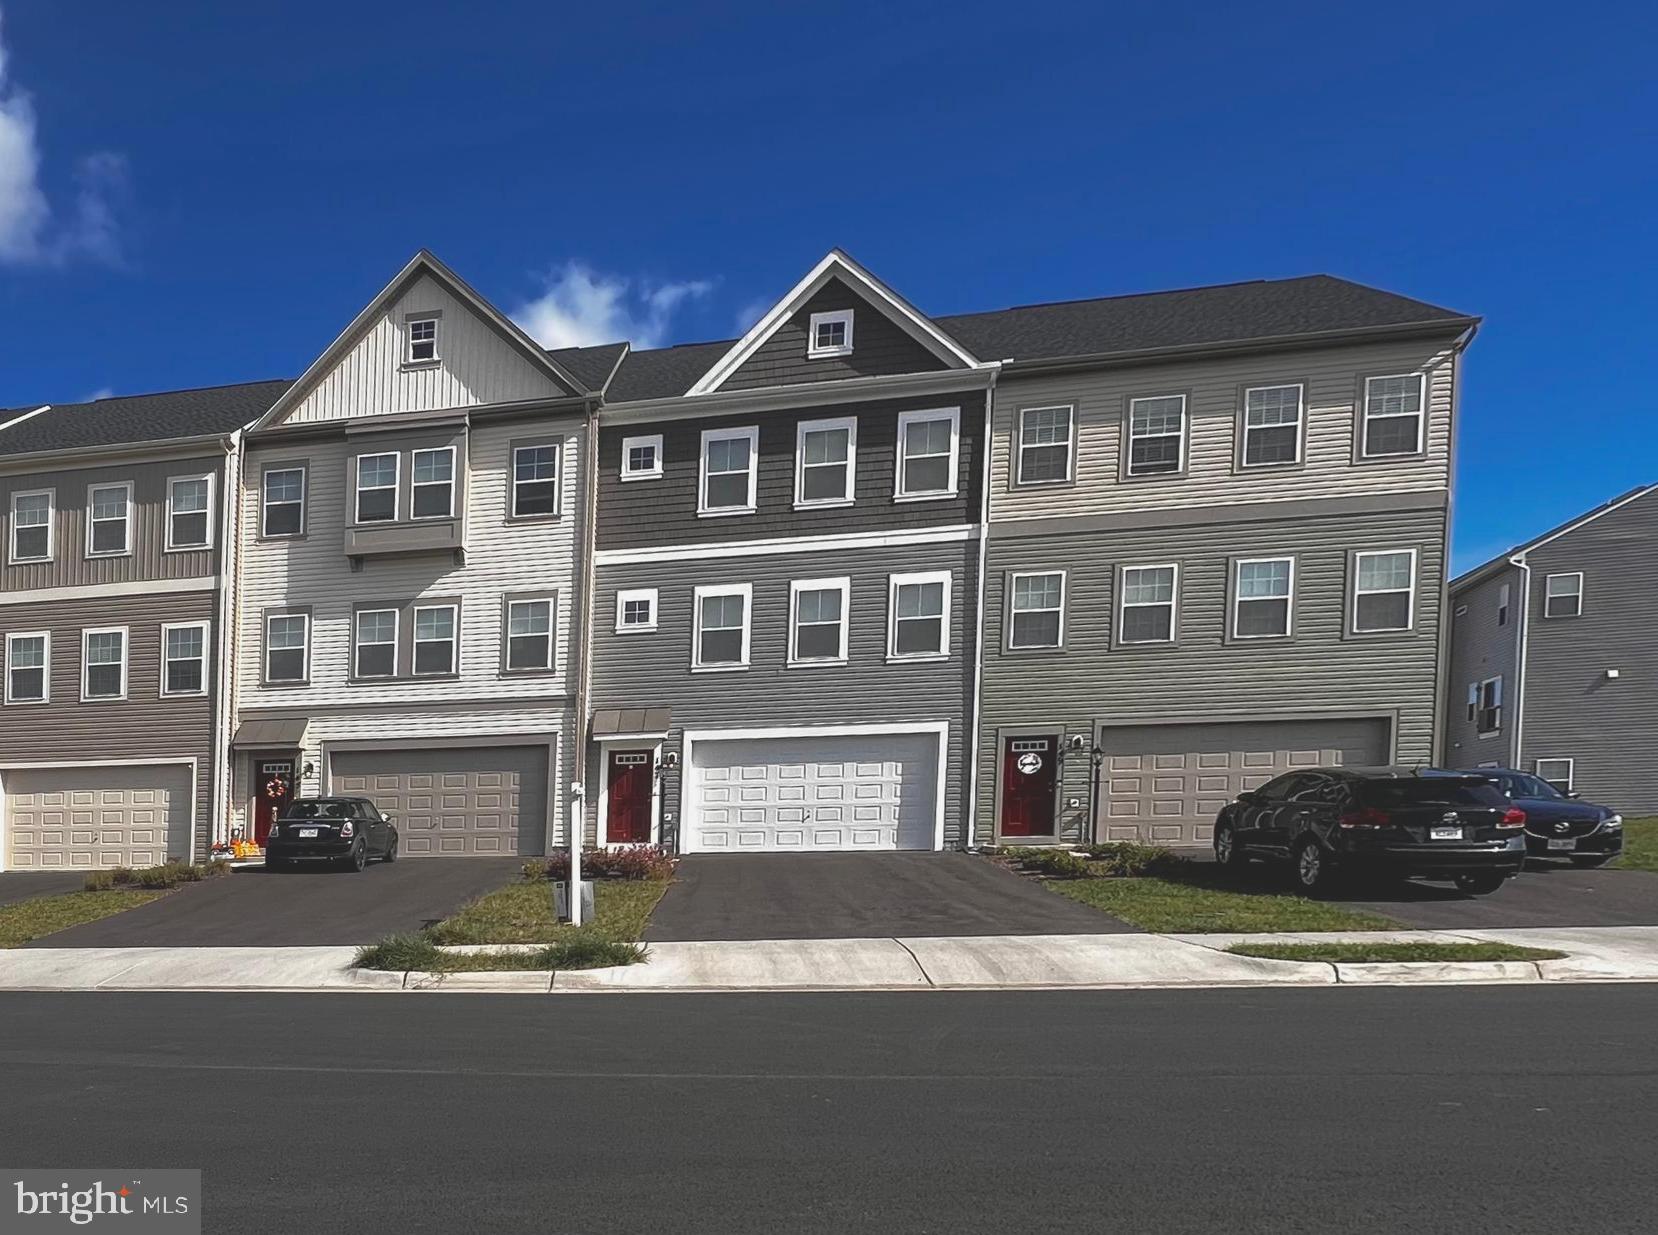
(1557, 824)
(1401, 821)
(346, 832)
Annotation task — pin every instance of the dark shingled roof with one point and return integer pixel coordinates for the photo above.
(664, 372)
(142, 418)
(592, 366)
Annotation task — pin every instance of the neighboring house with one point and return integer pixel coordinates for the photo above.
(411, 516)
(1552, 660)
(114, 607)
(1217, 544)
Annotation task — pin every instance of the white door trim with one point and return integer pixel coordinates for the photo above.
(601, 831)
(190, 762)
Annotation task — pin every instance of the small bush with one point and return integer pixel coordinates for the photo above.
(631, 862)
(123, 875)
(584, 948)
(99, 881)
(402, 952)
(1127, 859)
(167, 875)
(1058, 864)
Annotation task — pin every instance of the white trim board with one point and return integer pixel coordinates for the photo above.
(133, 587)
(787, 544)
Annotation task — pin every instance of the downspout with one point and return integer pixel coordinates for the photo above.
(970, 828)
(1516, 752)
(229, 638)
(577, 826)
(1438, 752)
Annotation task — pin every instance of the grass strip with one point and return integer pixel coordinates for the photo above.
(522, 912)
(1361, 953)
(582, 948)
(46, 915)
(1195, 905)
(1640, 845)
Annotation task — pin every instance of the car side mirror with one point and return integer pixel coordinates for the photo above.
(1573, 794)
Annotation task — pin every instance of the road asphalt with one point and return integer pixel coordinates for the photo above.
(1512, 1109)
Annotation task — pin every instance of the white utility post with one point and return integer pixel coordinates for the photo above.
(577, 824)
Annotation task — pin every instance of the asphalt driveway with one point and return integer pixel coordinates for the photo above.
(260, 908)
(1547, 894)
(18, 886)
(861, 896)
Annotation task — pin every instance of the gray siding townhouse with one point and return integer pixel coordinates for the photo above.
(114, 608)
(1216, 549)
(1553, 665)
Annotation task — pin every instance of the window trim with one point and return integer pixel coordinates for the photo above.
(1122, 606)
(1364, 417)
(1128, 436)
(1019, 447)
(91, 523)
(843, 585)
(813, 351)
(86, 663)
(918, 415)
(1236, 601)
(51, 496)
(894, 582)
(1013, 576)
(304, 503)
(206, 652)
(410, 360)
(1353, 593)
(416, 485)
(639, 441)
(357, 490)
(454, 640)
(750, 433)
(1480, 727)
(556, 445)
(1505, 596)
(623, 595)
(46, 667)
(830, 424)
(1300, 388)
(265, 678)
(550, 599)
(1571, 769)
(1563, 574)
(698, 595)
(357, 613)
(172, 545)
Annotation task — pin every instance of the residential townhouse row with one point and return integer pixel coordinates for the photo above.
(861, 579)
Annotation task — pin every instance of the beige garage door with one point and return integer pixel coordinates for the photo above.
(1166, 783)
(461, 802)
(96, 817)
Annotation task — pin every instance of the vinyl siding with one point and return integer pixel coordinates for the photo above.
(1481, 649)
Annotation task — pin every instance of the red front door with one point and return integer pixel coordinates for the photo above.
(1028, 785)
(628, 820)
(273, 786)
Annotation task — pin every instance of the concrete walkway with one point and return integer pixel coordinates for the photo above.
(1595, 954)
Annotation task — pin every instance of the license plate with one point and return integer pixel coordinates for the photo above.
(1568, 843)
(1445, 834)
(305, 832)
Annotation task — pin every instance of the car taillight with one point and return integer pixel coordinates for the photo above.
(1369, 817)
(346, 830)
(1513, 817)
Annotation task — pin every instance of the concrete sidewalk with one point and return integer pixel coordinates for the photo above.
(1595, 954)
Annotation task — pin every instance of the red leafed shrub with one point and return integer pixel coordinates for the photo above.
(629, 862)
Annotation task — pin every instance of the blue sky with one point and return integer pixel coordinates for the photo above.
(194, 192)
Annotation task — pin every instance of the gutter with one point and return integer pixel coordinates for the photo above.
(970, 826)
(577, 764)
(229, 640)
(160, 446)
(1521, 655)
(1440, 722)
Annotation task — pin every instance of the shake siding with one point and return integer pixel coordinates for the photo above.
(1333, 380)
(1481, 649)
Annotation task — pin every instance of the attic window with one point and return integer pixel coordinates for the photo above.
(423, 340)
(830, 335)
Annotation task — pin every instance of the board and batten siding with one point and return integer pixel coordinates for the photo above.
(1205, 676)
(1481, 649)
(654, 669)
(1333, 381)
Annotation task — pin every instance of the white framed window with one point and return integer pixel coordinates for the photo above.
(918, 622)
(535, 480)
(1393, 415)
(720, 626)
(432, 490)
(1263, 596)
(377, 487)
(1044, 445)
(423, 340)
(1563, 595)
(829, 334)
(434, 639)
(1503, 596)
(283, 502)
(1559, 771)
(1384, 590)
(1489, 716)
(929, 451)
(642, 457)
(109, 520)
(104, 663)
(184, 659)
(190, 512)
(1156, 435)
(1036, 610)
(287, 647)
(1148, 608)
(29, 666)
(819, 611)
(826, 461)
(33, 516)
(1473, 702)
(530, 634)
(1272, 425)
(635, 610)
(729, 469)
(374, 643)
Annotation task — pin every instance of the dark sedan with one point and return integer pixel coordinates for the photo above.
(1400, 821)
(344, 832)
(1557, 824)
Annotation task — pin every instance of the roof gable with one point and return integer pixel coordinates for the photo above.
(1618, 503)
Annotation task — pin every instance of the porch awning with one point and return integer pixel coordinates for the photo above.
(631, 722)
(287, 732)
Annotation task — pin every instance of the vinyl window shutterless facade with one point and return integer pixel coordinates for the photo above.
(109, 520)
(1036, 610)
(104, 663)
(287, 647)
(720, 621)
(826, 454)
(829, 334)
(1272, 425)
(283, 502)
(635, 610)
(1563, 595)
(1156, 435)
(434, 639)
(529, 634)
(1148, 604)
(377, 487)
(929, 450)
(818, 615)
(729, 469)
(535, 481)
(1045, 445)
(28, 667)
(375, 643)
(432, 493)
(189, 512)
(1384, 591)
(918, 623)
(642, 457)
(32, 517)
(184, 659)
(1263, 595)
(423, 340)
(1393, 408)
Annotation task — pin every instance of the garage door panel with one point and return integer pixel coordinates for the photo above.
(454, 802)
(96, 818)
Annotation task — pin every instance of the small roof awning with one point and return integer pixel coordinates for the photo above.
(631, 722)
(287, 732)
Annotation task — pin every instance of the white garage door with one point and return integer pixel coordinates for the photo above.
(787, 794)
(468, 802)
(96, 817)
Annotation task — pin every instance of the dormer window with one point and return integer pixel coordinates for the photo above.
(830, 335)
(423, 340)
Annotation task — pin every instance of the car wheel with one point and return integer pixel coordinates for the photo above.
(391, 850)
(1481, 884)
(1312, 866)
(358, 857)
(1599, 859)
(1227, 850)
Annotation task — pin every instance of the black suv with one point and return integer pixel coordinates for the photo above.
(1557, 824)
(343, 831)
(1403, 821)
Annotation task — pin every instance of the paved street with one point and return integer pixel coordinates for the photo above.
(1437, 1109)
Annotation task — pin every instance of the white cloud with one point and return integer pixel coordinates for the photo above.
(28, 232)
(582, 306)
(750, 313)
(103, 392)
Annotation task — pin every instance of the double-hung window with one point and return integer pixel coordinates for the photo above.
(423, 340)
(1036, 610)
(283, 502)
(377, 488)
(32, 526)
(1263, 593)
(826, 453)
(929, 448)
(434, 639)
(818, 615)
(642, 457)
(1148, 604)
(1384, 590)
(719, 638)
(432, 493)
(1563, 595)
(184, 659)
(919, 622)
(189, 512)
(635, 610)
(829, 334)
(1558, 771)
(1156, 435)
(375, 643)
(287, 647)
(1503, 596)
(104, 663)
(1044, 445)
(109, 520)
(730, 465)
(530, 634)
(28, 666)
(1490, 716)
(1393, 415)
(1272, 426)
(534, 481)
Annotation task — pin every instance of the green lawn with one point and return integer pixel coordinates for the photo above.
(45, 915)
(1640, 845)
(1358, 953)
(1206, 900)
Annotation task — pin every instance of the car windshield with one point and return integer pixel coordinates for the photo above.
(1520, 785)
(321, 810)
(1432, 791)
